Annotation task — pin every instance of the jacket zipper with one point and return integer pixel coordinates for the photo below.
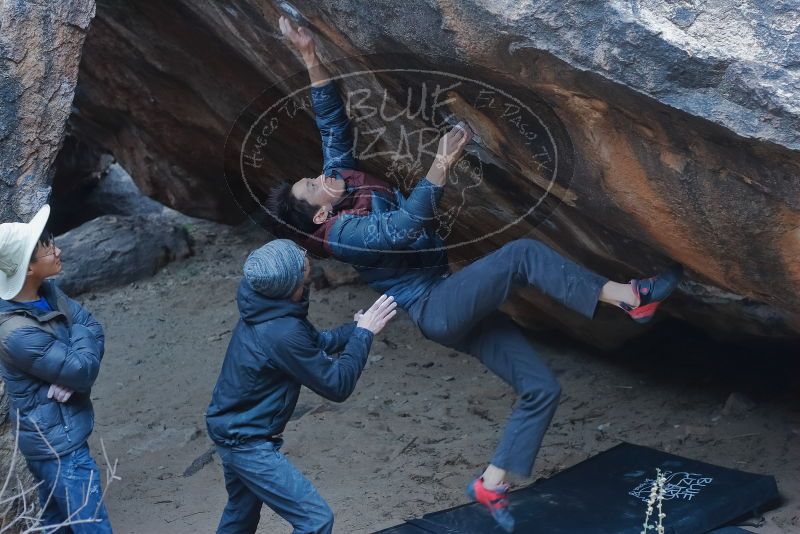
(64, 421)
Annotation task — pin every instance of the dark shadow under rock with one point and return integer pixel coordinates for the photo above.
(117, 194)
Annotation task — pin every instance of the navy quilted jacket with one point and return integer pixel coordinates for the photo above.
(273, 351)
(39, 348)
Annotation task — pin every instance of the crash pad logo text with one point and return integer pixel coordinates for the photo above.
(679, 485)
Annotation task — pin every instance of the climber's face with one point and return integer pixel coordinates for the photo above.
(320, 192)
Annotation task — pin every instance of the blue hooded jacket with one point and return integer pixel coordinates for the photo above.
(39, 348)
(393, 247)
(273, 351)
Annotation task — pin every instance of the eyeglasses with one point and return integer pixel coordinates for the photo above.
(51, 248)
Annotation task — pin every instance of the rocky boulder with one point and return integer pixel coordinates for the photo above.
(626, 134)
(89, 184)
(115, 250)
(332, 273)
(40, 48)
(117, 194)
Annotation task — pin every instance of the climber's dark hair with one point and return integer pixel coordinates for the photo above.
(291, 214)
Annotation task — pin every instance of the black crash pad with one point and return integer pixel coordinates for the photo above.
(409, 528)
(607, 494)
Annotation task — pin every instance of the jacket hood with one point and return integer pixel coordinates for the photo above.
(256, 308)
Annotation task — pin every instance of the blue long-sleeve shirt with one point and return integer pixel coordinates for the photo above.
(274, 350)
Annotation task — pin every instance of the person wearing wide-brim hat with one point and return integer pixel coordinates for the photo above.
(17, 243)
(50, 353)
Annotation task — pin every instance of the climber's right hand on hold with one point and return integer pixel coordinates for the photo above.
(451, 145)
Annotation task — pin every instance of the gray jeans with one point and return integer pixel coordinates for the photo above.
(461, 312)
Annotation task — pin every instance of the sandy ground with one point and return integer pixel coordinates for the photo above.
(423, 419)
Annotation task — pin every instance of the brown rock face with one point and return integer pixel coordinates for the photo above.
(624, 138)
(40, 48)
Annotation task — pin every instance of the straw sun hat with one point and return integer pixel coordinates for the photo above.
(17, 243)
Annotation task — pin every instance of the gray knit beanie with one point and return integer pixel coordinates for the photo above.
(276, 269)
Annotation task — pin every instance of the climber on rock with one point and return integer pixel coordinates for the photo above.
(363, 221)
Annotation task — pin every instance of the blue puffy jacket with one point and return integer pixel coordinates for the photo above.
(393, 247)
(39, 348)
(273, 351)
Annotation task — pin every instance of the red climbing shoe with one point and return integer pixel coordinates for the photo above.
(495, 500)
(652, 292)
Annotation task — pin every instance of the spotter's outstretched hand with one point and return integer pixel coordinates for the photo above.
(452, 144)
(380, 313)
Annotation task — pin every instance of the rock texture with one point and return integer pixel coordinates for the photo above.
(114, 250)
(40, 48)
(333, 273)
(676, 128)
(117, 194)
(128, 236)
